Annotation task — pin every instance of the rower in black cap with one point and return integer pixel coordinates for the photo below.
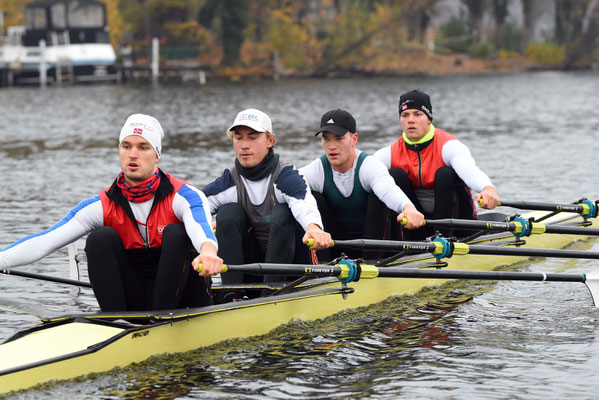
(434, 169)
(354, 191)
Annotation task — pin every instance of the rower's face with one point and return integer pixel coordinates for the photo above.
(138, 159)
(250, 146)
(415, 124)
(340, 150)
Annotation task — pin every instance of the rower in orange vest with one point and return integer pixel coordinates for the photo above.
(433, 168)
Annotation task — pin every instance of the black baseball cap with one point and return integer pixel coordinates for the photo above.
(337, 121)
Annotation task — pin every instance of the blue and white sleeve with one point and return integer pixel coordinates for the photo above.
(313, 173)
(82, 219)
(221, 191)
(291, 188)
(191, 206)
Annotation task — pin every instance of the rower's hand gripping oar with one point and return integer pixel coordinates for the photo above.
(586, 208)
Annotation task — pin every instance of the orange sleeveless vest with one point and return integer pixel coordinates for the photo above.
(420, 161)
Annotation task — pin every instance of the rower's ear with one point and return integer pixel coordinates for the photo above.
(270, 139)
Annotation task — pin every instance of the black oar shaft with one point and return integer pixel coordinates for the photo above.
(44, 277)
(385, 245)
(372, 272)
(473, 224)
(528, 252)
(531, 205)
(478, 275)
(462, 248)
(512, 227)
(285, 269)
(573, 230)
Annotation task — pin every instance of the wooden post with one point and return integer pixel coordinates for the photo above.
(276, 66)
(43, 71)
(155, 58)
(202, 77)
(58, 72)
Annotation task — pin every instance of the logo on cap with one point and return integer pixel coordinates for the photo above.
(248, 117)
(138, 131)
(330, 121)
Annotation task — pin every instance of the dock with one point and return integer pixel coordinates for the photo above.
(169, 72)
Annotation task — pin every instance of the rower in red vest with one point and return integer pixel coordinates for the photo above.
(434, 169)
(148, 232)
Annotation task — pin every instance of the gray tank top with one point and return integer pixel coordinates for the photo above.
(259, 214)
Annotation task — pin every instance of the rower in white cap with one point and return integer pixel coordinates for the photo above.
(264, 208)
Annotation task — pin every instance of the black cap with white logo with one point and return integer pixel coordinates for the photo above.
(416, 100)
(338, 122)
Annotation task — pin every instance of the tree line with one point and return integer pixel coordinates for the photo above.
(318, 37)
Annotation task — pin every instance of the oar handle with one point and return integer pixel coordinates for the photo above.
(310, 242)
(224, 268)
(480, 202)
(404, 221)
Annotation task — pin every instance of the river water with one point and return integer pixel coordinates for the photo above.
(535, 134)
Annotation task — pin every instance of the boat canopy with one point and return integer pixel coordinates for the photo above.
(84, 20)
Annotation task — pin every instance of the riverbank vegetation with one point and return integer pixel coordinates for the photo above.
(263, 38)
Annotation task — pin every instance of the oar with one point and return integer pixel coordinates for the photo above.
(18, 307)
(586, 208)
(44, 277)
(519, 227)
(443, 248)
(348, 271)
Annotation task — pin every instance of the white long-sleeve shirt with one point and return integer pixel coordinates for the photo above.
(373, 177)
(455, 155)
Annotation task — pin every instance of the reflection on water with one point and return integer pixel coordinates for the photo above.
(533, 134)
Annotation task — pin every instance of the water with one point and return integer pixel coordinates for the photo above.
(534, 134)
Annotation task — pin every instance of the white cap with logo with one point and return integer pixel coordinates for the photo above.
(252, 118)
(145, 126)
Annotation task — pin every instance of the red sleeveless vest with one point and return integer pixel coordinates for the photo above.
(420, 161)
(160, 216)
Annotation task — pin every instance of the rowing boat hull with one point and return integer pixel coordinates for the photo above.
(77, 345)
